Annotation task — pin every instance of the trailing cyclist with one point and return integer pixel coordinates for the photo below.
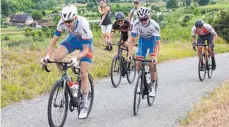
(79, 37)
(123, 26)
(148, 31)
(205, 32)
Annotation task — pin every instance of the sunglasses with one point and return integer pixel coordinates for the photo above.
(119, 21)
(69, 21)
(143, 19)
(136, 2)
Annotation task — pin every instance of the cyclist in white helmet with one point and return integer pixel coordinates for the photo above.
(79, 37)
(148, 31)
(133, 12)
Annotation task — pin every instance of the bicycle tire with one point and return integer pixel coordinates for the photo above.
(138, 96)
(209, 66)
(202, 77)
(113, 64)
(129, 70)
(150, 100)
(58, 84)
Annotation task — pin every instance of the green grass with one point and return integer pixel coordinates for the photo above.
(216, 6)
(202, 114)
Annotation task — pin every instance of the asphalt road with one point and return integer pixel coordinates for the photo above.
(179, 89)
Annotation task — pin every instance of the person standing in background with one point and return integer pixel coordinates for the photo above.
(106, 24)
(132, 16)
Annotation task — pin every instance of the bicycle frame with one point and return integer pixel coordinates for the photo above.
(205, 51)
(120, 49)
(65, 80)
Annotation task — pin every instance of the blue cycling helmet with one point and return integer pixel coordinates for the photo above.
(119, 15)
(199, 23)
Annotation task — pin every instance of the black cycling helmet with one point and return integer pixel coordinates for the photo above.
(199, 23)
(119, 15)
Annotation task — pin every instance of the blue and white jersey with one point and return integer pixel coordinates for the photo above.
(152, 29)
(81, 29)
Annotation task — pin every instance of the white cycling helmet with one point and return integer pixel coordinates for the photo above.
(68, 12)
(143, 12)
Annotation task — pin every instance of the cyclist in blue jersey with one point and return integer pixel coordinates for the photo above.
(148, 31)
(79, 37)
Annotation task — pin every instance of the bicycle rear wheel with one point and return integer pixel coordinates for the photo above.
(209, 67)
(202, 67)
(138, 93)
(131, 71)
(58, 101)
(151, 99)
(116, 70)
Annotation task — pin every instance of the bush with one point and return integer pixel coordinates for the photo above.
(28, 32)
(6, 38)
(3, 26)
(90, 5)
(203, 11)
(37, 15)
(187, 18)
(221, 25)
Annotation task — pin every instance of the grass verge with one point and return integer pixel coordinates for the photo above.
(212, 111)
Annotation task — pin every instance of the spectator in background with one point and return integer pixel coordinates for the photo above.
(106, 24)
(133, 12)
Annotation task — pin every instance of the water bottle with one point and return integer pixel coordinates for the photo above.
(74, 88)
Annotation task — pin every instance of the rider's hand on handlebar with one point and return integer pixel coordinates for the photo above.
(129, 58)
(45, 60)
(154, 60)
(194, 45)
(75, 63)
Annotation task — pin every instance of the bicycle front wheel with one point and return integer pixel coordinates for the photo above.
(57, 105)
(209, 66)
(202, 67)
(131, 71)
(116, 71)
(138, 93)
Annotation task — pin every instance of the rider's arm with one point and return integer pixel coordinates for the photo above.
(86, 38)
(193, 34)
(133, 37)
(157, 38)
(131, 45)
(211, 29)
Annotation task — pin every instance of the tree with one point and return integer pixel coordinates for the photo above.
(221, 25)
(90, 5)
(172, 4)
(203, 2)
(37, 15)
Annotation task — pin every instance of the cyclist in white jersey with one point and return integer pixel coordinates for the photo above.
(148, 31)
(79, 37)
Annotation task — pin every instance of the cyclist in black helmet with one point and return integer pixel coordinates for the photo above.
(122, 25)
(205, 32)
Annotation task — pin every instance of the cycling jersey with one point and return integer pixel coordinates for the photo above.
(147, 37)
(123, 29)
(207, 29)
(81, 35)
